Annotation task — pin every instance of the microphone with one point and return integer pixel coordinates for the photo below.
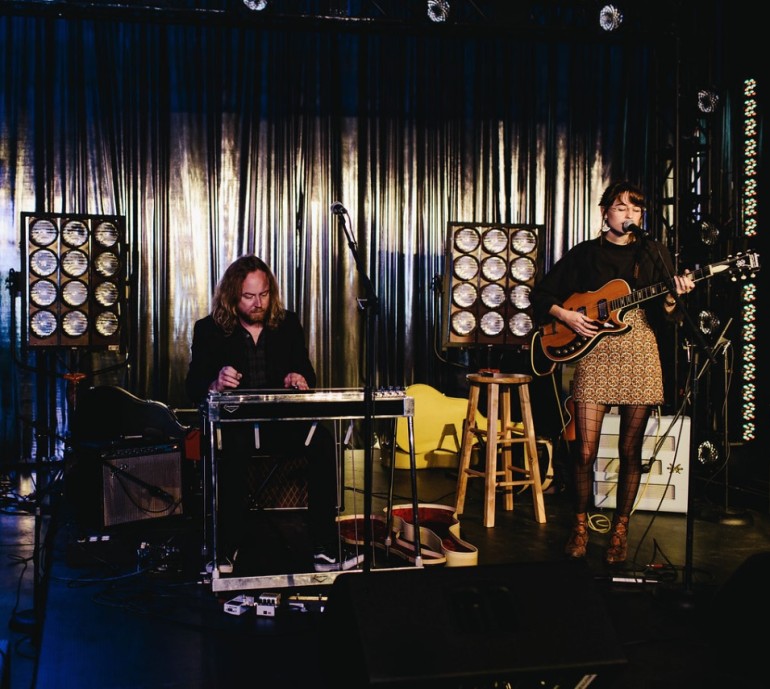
(628, 226)
(338, 209)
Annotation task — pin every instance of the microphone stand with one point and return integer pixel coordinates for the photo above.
(687, 598)
(370, 305)
(727, 516)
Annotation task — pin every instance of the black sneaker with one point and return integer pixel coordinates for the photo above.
(329, 560)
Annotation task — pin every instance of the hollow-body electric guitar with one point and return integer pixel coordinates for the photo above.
(606, 306)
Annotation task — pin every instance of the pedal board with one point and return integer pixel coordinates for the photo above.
(99, 549)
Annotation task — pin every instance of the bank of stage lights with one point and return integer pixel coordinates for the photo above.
(75, 281)
(490, 271)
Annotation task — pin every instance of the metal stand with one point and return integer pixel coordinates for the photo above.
(727, 515)
(370, 306)
(29, 621)
(686, 598)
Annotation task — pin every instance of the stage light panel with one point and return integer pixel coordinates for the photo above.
(490, 271)
(75, 275)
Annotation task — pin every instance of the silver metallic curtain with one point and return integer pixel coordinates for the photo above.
(216, 141)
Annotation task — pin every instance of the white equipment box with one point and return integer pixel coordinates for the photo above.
(665, 487)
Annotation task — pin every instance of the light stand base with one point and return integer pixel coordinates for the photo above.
(685, 600)
(727, 516)
(733, 517)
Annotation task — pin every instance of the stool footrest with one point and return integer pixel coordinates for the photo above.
(502, 440)
(517, 482)
(477, 473)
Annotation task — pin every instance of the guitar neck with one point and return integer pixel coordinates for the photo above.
(651, 291)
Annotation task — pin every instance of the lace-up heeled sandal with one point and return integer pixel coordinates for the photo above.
(618, 548)
(578, 539)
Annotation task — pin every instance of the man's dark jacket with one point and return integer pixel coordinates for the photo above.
(285, 352)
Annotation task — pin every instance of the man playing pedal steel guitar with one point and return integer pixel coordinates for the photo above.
(622, 369)
(250, 341)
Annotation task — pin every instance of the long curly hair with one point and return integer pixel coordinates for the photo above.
(224, 309)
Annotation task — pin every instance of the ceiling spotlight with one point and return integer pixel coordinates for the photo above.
(709, 233)
(708, 322)
(708, 453)
(256, 5)
(438, 10)
(610, 18)
(708, 100)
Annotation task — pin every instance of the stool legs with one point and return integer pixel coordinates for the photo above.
(490, 463)
(506, 446)
(531, 462)
(499, 436)
(466, 448)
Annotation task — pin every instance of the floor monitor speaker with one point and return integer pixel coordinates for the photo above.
(522, 625)
(741, 604)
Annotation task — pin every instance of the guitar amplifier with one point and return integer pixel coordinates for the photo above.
(141, 483)
(112, 484)
(665, 487)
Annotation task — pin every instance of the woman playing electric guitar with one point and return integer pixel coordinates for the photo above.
(622, 370)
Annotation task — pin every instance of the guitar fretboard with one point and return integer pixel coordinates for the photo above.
(651, 291)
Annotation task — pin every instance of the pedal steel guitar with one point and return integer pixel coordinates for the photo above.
(308, 405)
(321, 404)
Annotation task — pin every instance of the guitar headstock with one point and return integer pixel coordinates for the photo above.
(744, 264)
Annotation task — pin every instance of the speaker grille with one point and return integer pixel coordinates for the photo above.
(141, 483)
(277, 483)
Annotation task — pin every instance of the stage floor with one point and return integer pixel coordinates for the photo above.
(132, 608)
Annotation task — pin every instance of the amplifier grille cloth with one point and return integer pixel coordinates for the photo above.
(141, 486)
(277, 483)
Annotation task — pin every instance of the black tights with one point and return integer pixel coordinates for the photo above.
(588, 426)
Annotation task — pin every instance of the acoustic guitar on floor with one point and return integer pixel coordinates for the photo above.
(606, 307)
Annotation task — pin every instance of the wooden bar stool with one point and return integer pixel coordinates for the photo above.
(503, 434)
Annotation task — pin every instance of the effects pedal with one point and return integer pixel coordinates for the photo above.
(267, 604)
(239, 605)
